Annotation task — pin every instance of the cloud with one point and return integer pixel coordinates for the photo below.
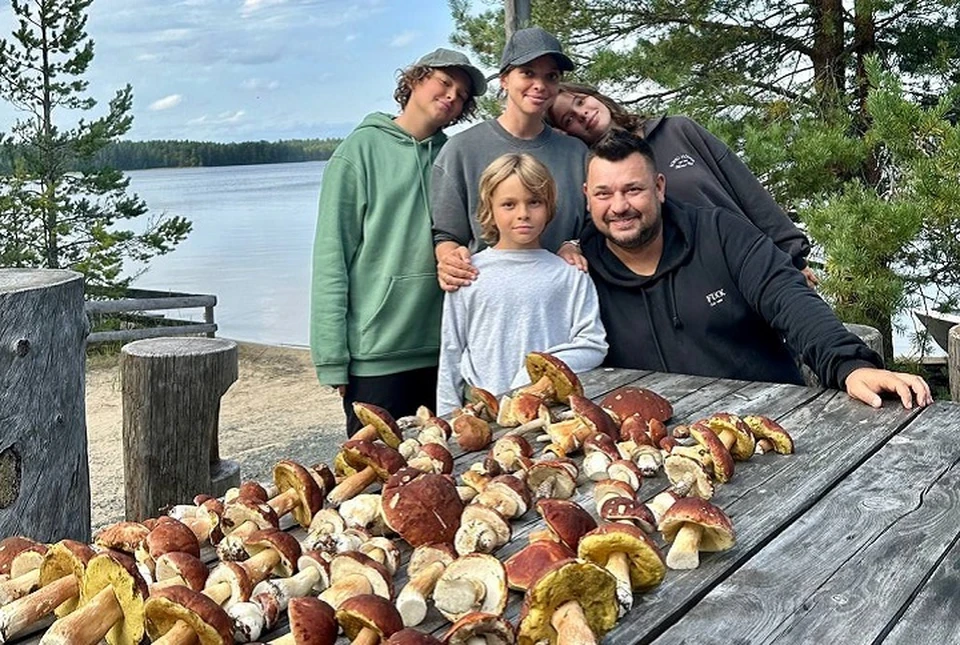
(166, 102)
(223, 117)
(403, 39)
(258, 84)
(349, 38)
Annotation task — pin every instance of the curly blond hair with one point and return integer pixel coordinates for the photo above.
(533, 175)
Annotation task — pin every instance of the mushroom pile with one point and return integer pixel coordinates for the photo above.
(390, 538)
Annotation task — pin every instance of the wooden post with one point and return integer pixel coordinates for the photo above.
(953, 362)
(869, 335)
(516, 15)
(44, 475)
(171, 408)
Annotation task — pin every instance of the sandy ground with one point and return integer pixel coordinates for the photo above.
(276, 409)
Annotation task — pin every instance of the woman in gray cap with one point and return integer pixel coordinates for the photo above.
(531, 69)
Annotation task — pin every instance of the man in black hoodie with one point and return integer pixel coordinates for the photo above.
(702, 291)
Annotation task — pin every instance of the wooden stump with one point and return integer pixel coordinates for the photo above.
(953, 361)
(171, 408)
(44, 475)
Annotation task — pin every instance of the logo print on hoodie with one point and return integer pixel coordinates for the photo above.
(682, 161)
(715, 298)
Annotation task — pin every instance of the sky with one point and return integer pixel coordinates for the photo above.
(241, 70)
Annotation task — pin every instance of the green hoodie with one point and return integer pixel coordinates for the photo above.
(375, 302)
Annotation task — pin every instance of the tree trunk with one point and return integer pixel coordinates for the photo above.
(44, 475)
(953, 361)
(829, 58)
(171, 408)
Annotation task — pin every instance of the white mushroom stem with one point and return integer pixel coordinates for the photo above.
(346, 588)
(88, 624)
(595, 465)
(571, 625)
(412, 601)
(21, 613)
(219, 592)
(19, 587)
(284, 502)
(201, 526)
(460, 596)
(524, 428)
(249, 621)
(231, 548)
(660, 503)
(476, 537)
(366, 433)
(422, 463)
(619, 565)
(352, 486)
(466, 493)
(296, 586)
(259, 566)
(180, 634)
(366, 636)
(685, 552)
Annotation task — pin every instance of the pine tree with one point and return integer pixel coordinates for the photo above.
(50, 215)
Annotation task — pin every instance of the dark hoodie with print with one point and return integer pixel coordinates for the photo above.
(721, 303)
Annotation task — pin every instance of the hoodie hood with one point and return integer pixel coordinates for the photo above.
(385, 123)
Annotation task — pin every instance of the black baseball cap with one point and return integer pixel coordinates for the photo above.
(527, 44)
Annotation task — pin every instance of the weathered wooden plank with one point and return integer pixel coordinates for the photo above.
(148, 304)
(834, 435)
(44, 476)
(122, 335)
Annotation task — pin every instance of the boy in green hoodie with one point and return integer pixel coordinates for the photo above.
(375, 301)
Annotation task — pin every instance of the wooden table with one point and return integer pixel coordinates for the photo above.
(852, 539)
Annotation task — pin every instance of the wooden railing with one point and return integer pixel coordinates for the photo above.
(138, 301)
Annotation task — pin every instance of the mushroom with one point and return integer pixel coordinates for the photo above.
(251, 490)
(693, 525)
(377, 424)
(472, 433)
(773, 432)
(203, 520)
(122, 536)
(112, 596)
(526, 565)
(573, 603)
(354, 574)
(599, 452)
(481, 403)
(566, 520)
(61, 573)
(312, 622)
(299, 493)
(687, 476)
(177, 615)
(241, 518)
(627, 553)
(228, 584)
(382, 550)
(629, 511)
(482, 530)
(372, 461)
(365, 511)
(630, 400)
(509, 451)
(607, 489)
(551, 478)
(11, 547)
(733, 432)
(326, 526)
(432, 458)
(421, 507)
(711, 453)
(661, 502)
(648, 458)
(551, 379)
(178, 568)
(412, 637)
(368, 619)
(474, 582)
(522, 410)
(168, 536)
(626, 471)
(427, 564)
(24, 571)
(271, 552)
(481, 629)
(507, 495)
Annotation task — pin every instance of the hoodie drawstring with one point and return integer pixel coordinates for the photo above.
(675, 310)
(653, 330)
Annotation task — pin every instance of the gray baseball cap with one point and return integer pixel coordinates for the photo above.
(448, 58)
(534, 42)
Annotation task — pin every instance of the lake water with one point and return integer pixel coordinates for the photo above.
(251, 246)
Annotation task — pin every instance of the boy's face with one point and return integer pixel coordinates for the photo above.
(520, 216)
(441, 95)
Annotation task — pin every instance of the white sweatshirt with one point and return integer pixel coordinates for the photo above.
(521, 301)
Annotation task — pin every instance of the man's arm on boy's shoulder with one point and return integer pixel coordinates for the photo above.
(339, 231)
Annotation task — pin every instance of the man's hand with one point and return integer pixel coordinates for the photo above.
(454, 269)
(572, 255)
(812, 279)
(866, 384)
(340, 389)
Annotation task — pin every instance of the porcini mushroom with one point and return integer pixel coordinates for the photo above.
(427, 564)
(178, 615)
(482, 530)
(412, 637)
(422, 508)
(326, 526)
(733, 432)
(178, 568)
(526, 565)
(688, 477)
(509, 451)
(768, 429)
(481, 629)
(693, 525)
(629, 511)
(599, 452)
(472, 433)
(372, 461)
(312, 622)
(24, 572)
(573, 603)
(377, 424)
(168, 536)
(566, 520)
(627, 553)
(507, 495)
(368, 619)
(630, 400)
(241, 518)
(474, 582)
(354, 574)
(299, 493)
(552, 478)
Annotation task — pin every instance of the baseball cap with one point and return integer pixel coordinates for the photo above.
(533, 42)
(449, 58)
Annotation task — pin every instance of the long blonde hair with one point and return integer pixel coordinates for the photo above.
(533, 175)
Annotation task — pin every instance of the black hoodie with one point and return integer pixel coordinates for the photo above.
(721, 302)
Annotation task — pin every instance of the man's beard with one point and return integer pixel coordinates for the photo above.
(638, 238)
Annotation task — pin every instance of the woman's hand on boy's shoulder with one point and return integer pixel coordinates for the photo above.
(570, 252)
(454, 268)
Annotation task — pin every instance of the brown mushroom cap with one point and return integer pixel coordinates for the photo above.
(647, 565)
(186, 566)
(166, 607)
(312, 621)
(245, 509)
(486, 401)
(745, 443)
(170, 536)
(65, 558)
(767, 428)
(356, 563)
(606, 489)
(527, 565)
(440, 456)
(473, 569)
(623, 509)
(289, 475)
(678, 468)
(567, 520)
(600, 442)
(422, 507)
(382, 458)
(119, 571)
(565, 381)
(718, 534)
(122, 536)
(323, 476)
(626, 471)
(285, 545)
(412, 636)
(369, 611)
(720, 457)
(508, 450)
(381, 420)
(241, 587)
(13, 546)
(426, 554)
(630, 400)
(551, 478)
(472, 433)
(593, 416)
(592, 586)
(253, 491)
(503, 492)
(488, 628)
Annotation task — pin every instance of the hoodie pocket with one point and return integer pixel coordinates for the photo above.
(407, 318)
